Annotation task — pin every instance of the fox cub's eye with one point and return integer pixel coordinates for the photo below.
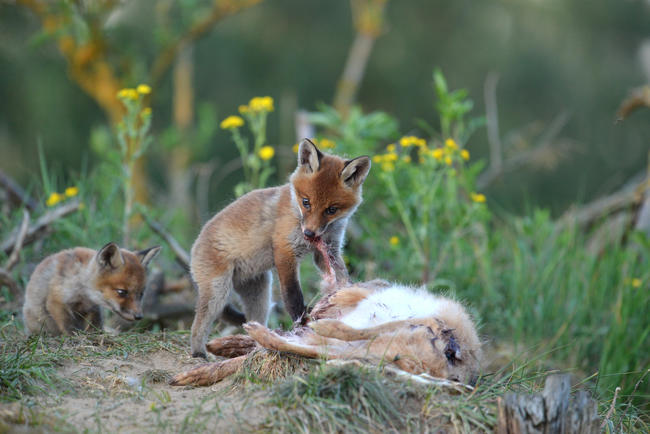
(122, 292)
(331, 210)
(305, 203)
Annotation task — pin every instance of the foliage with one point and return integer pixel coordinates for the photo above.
(133, 139)
(535, 280)
(256, 160)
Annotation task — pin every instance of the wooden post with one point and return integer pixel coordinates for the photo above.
(551, 411)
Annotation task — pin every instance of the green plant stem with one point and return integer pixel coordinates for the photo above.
(404, 216)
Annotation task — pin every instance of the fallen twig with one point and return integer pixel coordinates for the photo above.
(182, 257)
(630, 194)
(16, 194)
(34, 231)
(15, 253)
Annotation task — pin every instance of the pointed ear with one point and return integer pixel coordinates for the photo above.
(355, 171)
(309, 156)
(147, 255)
(110, 257)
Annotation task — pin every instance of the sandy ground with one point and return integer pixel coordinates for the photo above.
(131, 395)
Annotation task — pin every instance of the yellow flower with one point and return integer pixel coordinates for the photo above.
(146, 111)
(437, 153)
(387, 166)
(636, 282)
(71, 191)
(451, 144)
(327, 144)
(266, 152)
(393, 240)
(377, 158)
(391, 147)
(448, 160)
(144, 89)
(243, 109)
(390, 157)
(54, 199)
(464, 154)
(295, 148)
(128, 93)
(478, 197)
(261, 103)
(406, 158)
(406, 141)
(232, 122)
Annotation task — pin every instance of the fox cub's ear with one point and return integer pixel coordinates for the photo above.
(145, 256)
(355, 171)
(110, 256)
(309, 156)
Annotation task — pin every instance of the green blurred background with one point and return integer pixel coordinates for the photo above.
(560, 63)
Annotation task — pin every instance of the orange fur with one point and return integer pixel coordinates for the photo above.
(274, 228)
(68, 289)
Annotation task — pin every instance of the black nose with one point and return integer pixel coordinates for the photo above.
(309, 234)
(137, 316)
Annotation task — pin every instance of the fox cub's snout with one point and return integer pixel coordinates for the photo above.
(68, 289)
(121, 279)
(326, 190)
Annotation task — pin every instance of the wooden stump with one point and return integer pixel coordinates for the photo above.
(551, 411)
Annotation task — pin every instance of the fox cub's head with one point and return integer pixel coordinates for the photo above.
(121, 278)
(326, 188)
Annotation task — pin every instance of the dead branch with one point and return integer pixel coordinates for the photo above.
(629, 195)
(368, 20)
(15, 192)
(638, 97)
(552, 411)
(18, 245)
(36, 230)
(526, 158)
(492, 123)
(182, 257)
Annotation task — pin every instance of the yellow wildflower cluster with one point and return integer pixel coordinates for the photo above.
(133, 94)
(394, 240)
(322, 144)
(407, 141)
(446, 154)
(231, 122)
(258, 104)
(325, 144)
(266, 152)
(477, 197)
(55, 197)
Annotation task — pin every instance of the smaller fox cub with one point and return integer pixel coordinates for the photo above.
(67, 289)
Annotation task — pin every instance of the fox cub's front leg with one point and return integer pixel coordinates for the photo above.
(287, 266)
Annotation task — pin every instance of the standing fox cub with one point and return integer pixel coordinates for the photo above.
(67, 289)
(274, 227)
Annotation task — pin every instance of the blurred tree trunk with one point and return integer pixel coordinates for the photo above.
(90, 66)
(368, 17)
(179, 176)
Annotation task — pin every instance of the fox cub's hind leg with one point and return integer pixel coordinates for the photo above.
(212, 298)
(255, 295)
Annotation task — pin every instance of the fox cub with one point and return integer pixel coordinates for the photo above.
(274, 227)
(67, 289)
